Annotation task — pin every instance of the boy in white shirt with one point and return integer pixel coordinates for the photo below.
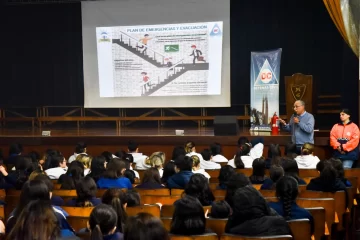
(139, 158)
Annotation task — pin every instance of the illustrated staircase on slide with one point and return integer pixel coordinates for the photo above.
(137, 52)
(184, 68)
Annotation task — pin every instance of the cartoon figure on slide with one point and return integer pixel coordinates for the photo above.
(197, 54)
(145, 81)
(144, 42)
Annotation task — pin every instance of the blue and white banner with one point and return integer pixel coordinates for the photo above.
(264, 88)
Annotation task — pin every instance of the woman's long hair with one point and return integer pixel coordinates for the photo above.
(73, 175)
(259, 167)
(102, 221)
(36, 221)
(86, 190)
(198, 187)
(117, 199)
(287, 190)
(151, 175)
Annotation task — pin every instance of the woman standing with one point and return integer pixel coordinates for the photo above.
(344, 139)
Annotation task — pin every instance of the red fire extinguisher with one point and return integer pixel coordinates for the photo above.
(275, 124)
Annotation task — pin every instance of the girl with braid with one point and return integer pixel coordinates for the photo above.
(286, 191)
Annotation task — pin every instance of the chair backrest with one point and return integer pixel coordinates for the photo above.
(327, 203)
(157, 192)
(2, 211)
(238, 237)
(66, 195)
(57, 186)
(268, 193)
(176, 192)
(78, 216)
(219, 192)
(246, 171)
(214, 173)
(213, 186)
(257, 186)
(164, 200)
(152, 209)
(166, 222)
(318, 214)
(208, 236)
(308, 173)
(2, 194)
(340, 201)
(300, 229)
(11, 204)
(216, 225)
(13, 192)
(168, 210)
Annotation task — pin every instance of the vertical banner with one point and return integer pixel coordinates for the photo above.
(264, 88)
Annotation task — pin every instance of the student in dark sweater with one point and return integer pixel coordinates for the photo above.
(253, 217)
(98, 167)
(258, 174)
(114, 176)
(198, 187)
(183, 167)
(287, 190)
(236, 181)
(276, 172)
(338, 165)
(103, 222)
(328, 180)
(291, 169)
(225, 173)
(86, 191)
(151, 179)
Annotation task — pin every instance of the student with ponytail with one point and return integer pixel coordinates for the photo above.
(102, 223)
(287, 191)
(117, 199)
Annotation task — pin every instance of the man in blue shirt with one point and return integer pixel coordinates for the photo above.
(301, 125)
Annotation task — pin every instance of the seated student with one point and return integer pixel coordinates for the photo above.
(56, 201)
(86, 194)
(273, 153)
(139, 158)
(15, 150)
(225, 173)
(151, 179)
(236, 181)
(107, 155)
(157, 160)
(145, 226)
(103, 223)
(24, 167)
(38, 221)
(169, 170)
(252, 216)
(57, 166)
(276, 172)
(291, 169)
(114, 176)
(117, 199)
(257, 147)
(189, 217)
(73, 175)
(220, 209)
(196, 167)
(216, 152)
(287, 190)
(307, 160)
(178, 151)
(328, 180)
(129, 159)
(238, 162)
(258, 174)
(198, 187)
(242, 154)
(183, 168)
(191, 150)
(80, 148)
(291, 150)
(98, 167)
(207, 162)
(132, 199)
(338, 165)
(86, 161)
(36, 190)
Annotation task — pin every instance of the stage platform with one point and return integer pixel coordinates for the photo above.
(149, 139)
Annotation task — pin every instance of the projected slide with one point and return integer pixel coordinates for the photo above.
(160, 60)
